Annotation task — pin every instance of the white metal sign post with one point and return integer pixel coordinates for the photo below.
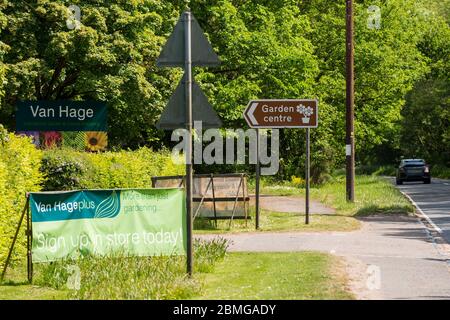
(188, 84)
(186, 47)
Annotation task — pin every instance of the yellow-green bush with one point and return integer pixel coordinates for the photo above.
(297, 181)
(69, 169)
(23, 168)
(19, 173)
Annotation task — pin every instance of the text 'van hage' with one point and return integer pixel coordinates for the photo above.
(63, 112)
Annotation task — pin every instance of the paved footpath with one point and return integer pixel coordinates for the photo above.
(410, 264)
(290, 204)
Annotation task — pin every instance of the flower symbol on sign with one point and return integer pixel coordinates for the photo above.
(306, 111)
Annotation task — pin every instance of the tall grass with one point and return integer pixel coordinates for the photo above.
(207, 253)
(118, 276)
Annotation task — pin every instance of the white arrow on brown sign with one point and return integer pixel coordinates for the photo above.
(287, 113)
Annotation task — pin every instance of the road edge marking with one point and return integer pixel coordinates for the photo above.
(435, 227)
(438, 241)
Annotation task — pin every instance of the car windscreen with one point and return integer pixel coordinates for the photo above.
(414, 164)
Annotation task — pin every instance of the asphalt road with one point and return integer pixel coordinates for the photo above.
(434, 201)
(399, 251)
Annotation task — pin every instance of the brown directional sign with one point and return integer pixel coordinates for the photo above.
(288, 113)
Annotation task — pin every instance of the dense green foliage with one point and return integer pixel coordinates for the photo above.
(110, 58)
(68, 169)
(426, 116)
(269, 49)
(23, 168)
(19, 174)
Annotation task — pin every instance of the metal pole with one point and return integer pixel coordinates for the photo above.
(214, 200)
(15, 239)
(244, 198)
(29, 246)
(350, 112)
(307, 174)
(188, 88)
(257, 181)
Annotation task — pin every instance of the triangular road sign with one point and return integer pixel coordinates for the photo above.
(173, 52)
(174, 115)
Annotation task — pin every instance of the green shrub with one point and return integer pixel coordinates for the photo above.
(62, 170)
(386, 170)
(439, 171)
(66, 169)
(19, 173)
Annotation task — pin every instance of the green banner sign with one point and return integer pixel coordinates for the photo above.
(62, 115)
(142, 222)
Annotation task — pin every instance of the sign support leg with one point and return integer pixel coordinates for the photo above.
(244, 199)
(235, 202)
(307, 176)
(29, 246)
(188, 88)
(214, 200)
(25, 210)
(257, 181)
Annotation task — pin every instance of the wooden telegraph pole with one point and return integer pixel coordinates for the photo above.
(350, 111)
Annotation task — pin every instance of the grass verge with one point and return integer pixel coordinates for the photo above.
(116, 276)
(285, 276)
(373, 195)
(299, 275)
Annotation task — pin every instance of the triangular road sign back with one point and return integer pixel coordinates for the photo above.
(173, 52)
(174, 115)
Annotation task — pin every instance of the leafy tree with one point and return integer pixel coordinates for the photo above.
(3, 49)
(269, 49)
(265, 53)
(426, 116)
(110, 57)
(387, 63)
(426, 123)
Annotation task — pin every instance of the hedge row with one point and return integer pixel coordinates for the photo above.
(19, 173)
(23, 168)
(68, 169)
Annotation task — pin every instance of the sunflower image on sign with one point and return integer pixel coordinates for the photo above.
(96, 140)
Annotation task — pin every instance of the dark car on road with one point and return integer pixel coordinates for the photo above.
(413, 170)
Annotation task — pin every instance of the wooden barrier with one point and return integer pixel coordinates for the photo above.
(215, 196)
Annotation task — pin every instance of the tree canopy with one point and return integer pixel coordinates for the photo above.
(268, 49)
